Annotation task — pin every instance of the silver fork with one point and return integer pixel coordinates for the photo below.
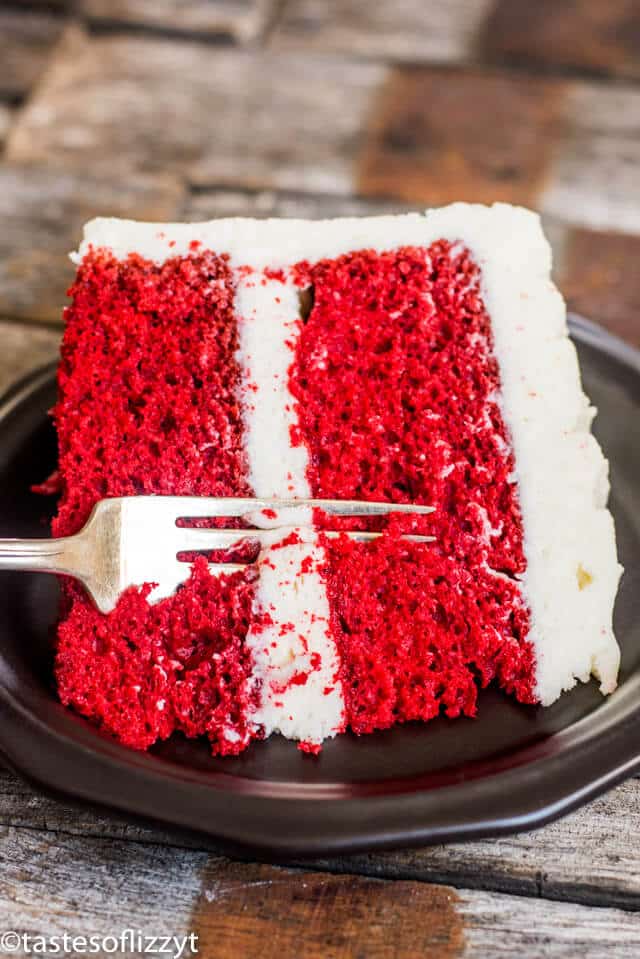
(128, 541)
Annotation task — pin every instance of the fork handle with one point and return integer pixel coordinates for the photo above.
(45, 555)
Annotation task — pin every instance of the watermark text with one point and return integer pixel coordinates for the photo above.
(128, 941)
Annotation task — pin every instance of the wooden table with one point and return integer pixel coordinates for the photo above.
(190, 110)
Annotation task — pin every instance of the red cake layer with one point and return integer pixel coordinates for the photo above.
(397, 400)
(144, 670)
(148, 404)
(417, 632)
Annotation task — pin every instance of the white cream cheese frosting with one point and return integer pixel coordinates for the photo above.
(295, 660)
(268, 315)
(572, 569)
(296, 663)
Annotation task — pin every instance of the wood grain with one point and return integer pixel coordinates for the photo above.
(588, 35)
(329, 126)
(585, 857)
(249, 910)
(43, 212)
(239, 20)
(593, 179)
(442, 31)
(259, 119)
(504, 927)
(26, 39)
(52, 883)
(438, 138)
(601, 279)
(23, 349)
(209, 204)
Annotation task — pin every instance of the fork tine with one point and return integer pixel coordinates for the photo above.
(363, 537)
(210, 539)
(210, 506)
(227, 568)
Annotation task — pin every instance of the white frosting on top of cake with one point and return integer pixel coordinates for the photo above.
(572, 569)
(295, 660)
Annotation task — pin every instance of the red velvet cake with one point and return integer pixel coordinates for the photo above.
(411, 359)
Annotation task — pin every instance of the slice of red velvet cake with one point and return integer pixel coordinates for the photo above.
(415, 358)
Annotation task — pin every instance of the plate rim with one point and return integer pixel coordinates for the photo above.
(551, 779)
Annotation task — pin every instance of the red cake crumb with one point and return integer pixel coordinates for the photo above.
(51, 486)
(148, 384)
(418, 632)
(396, 386)
(146, 670)
(147, 404)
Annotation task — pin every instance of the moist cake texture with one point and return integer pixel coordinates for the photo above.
(412, 359)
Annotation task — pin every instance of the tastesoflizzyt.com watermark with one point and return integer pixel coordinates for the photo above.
(128, 941)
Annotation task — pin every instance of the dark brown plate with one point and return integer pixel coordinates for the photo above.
(514, 767)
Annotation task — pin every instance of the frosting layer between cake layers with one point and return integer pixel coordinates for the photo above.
(295, 660)
(571, 574)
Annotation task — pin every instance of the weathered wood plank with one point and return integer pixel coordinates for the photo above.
(588, 857)
(240, 20)
(209, 204)
(584, 35)
(593, 179)
(23, 349)
(600, 278)
(42, 213)
(26, 41)
(438, 31)
(112, 104)
(504, 926)
(251, 910)
(431, 138)
(570, 149)
(52, 884)
(311, 123)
